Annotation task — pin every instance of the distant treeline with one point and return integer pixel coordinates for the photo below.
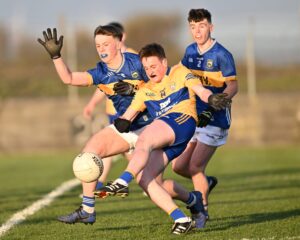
(26, 71)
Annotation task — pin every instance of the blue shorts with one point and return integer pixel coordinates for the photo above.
(184, 127)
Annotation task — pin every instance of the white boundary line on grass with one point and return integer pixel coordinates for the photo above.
(20, 216)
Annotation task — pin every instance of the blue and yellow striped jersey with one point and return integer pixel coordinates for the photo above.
(213, 67)
(131, 71)
(109, 105)
(172, 94)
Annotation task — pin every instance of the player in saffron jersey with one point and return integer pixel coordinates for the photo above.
(114, 68)
(169, 98)
(98, 97)
(214, 66)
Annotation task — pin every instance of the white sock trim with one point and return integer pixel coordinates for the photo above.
(88, 209)
(121, 181)
(183, 220)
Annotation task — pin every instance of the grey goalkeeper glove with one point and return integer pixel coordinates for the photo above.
(219, 101)
(51, 44)
(124, 88)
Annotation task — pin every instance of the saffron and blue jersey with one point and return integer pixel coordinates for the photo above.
(213, 67)
(130, 71)
(172, 94)
(109, 105)
(173, 102)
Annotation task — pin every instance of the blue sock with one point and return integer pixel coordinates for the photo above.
(176, 214)
(191, 198)
(88, 201)
(99, 185)
(127, 177)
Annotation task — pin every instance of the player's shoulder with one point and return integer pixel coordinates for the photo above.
(133, 59)
(179, 69)
(131, 55)
(179, 72)
(101, 68)
(221, 50)
(191, 48)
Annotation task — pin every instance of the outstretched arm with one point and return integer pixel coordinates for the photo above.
(71, 78)
(217, 101)
(53, 46)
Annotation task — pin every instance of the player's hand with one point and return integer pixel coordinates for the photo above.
(51, 44)
(205, 117)
(124, 88)
(122, 125)
(87, 112)
(219, 101)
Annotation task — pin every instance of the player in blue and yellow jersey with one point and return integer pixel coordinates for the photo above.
(98, 95)
(169, 98)
(214, 66)
(110, 110)
(114, 69)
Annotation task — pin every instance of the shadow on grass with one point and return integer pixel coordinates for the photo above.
(251, 200)
(237, 221)
(260, 173)
(259, 180)
(135, 226)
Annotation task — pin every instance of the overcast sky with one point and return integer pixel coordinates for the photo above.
(276, 28)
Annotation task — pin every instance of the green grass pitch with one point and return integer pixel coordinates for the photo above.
(258, 197)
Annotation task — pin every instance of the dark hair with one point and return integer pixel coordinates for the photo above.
(152, 49)
(117, 25)
(198, 15)
(108, 30)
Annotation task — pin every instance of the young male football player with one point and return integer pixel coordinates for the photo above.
(169, 98)
(214, 66)
(113, 68)
(111, 112)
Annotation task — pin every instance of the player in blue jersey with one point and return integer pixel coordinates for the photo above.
(169, 98)
(214, 66)
(111, 112)
(113, 69)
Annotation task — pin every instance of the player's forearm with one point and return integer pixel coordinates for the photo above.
(130, 114)
(217, 101)
(202, 92)
(63, 71)
(231, 88)
(97, 97)
(68, 77)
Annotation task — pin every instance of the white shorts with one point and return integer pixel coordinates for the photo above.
(130, 137)
(210, 135)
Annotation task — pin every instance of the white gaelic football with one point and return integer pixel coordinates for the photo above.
(87, 167)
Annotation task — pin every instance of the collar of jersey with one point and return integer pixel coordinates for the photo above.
(202, 53)
(118, 69)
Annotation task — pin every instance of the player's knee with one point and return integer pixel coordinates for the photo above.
(178, 168)
(167, 185)
(144, 182)
(144, 143)
(195, 168)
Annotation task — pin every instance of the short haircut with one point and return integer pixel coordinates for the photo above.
(108, 30)
(118, 25)
(152, 49)
(197, 15)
